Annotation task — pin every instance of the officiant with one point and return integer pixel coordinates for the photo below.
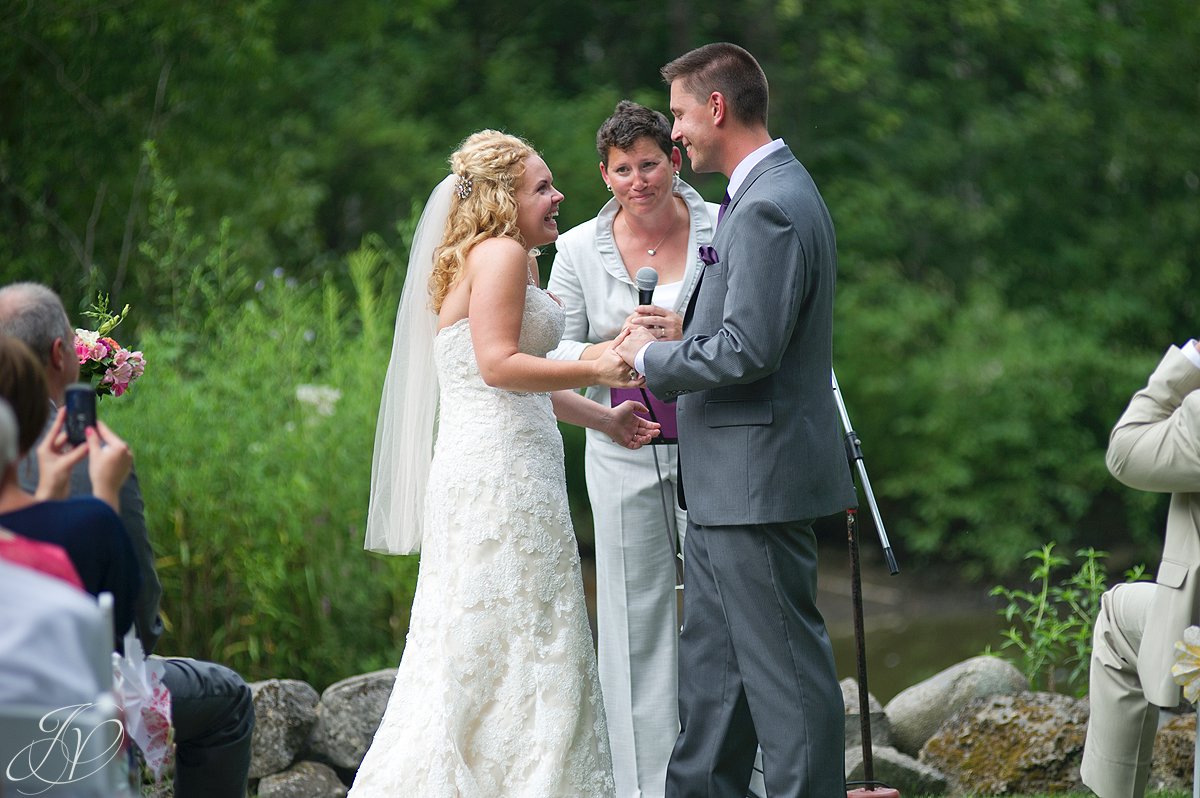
(653, 219)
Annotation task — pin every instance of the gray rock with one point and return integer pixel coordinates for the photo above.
(347, 717)
(1174, 755)
(285, 711)
(303, 780)
(896, 770)
(881, 729)
(1028, 744)
(916, 713)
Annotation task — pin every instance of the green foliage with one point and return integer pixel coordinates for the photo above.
(256, 489)
(1051, 625)
(984, 425)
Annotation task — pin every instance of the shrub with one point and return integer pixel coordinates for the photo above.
(256, 487)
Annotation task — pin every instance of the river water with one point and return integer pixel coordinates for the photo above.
(916, 623)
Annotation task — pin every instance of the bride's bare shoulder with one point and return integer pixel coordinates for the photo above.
(497, 259)
(497, 249)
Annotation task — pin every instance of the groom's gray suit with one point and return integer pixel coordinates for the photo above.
(760, 456)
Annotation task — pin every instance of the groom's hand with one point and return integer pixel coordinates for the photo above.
(630, 342)
(612, 371)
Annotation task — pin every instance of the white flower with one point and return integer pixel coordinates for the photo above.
(1186, 669)
(321, 397)
(89, 337)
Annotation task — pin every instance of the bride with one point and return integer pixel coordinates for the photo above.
(496, 693)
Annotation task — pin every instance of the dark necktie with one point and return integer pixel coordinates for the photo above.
(723, 208)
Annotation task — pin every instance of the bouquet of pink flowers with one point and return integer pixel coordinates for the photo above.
(108, 366)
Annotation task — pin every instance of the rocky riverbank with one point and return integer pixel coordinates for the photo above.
(974, 728)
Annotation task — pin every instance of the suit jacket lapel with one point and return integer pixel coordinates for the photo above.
(772, 161)
(775, 159)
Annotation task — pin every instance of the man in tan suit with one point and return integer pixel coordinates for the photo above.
(1156, 447)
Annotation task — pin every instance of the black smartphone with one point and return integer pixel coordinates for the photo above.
(81, 411)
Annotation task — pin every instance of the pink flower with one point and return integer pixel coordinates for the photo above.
(118, 377)
(138, 361)
(104, 361)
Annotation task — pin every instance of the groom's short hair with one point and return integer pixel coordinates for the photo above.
(726, 68)
(34, 314)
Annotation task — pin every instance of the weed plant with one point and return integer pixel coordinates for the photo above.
(1050, 632)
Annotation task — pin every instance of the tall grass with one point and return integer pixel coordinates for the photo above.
(256, 498)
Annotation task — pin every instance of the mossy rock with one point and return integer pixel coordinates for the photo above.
(1028, 744)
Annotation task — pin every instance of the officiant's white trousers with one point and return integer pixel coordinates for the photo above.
(1120, 735)
(636, 610)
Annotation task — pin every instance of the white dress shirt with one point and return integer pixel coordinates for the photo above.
(1189, 351)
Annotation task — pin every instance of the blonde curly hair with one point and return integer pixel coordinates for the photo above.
(489, 164)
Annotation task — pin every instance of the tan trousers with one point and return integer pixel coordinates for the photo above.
(1120, 735)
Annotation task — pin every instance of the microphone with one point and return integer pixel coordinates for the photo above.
(646, 281)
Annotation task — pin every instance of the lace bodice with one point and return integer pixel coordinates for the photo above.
(541, 329)
(497, 692)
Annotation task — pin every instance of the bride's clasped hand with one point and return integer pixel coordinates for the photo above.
(630, 430)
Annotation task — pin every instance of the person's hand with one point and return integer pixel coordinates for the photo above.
(109, 462)
(630, 342)
(663, 324)
(56, 457)
(630, 430)
(614, 372)
(594, 351)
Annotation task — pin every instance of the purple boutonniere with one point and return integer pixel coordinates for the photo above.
(708, 255)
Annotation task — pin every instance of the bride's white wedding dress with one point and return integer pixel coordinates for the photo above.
(497, 693)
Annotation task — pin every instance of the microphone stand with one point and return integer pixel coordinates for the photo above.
(871, 787)
(854, 454)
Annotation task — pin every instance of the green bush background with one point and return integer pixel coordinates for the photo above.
(1014, 184)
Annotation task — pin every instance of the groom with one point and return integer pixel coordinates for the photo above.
(760, 453)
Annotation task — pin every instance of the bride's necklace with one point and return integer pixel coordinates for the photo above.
(652, 251)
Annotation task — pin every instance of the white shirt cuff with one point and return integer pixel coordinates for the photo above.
(639, 360)
(1189, 351)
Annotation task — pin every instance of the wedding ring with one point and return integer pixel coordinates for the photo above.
(633, 375)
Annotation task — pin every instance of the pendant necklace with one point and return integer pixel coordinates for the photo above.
(654, 249)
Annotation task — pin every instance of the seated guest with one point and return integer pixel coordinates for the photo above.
(50, 636)
(212, 707)
(47, 625)
(47, 630)
(1153, 447)
(89, 530)
(45, 557)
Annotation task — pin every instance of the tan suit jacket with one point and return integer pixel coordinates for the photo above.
(1156, 447)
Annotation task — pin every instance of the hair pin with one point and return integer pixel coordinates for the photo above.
(463, 186)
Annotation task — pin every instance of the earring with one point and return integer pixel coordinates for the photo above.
(677, 173)
(609, 187)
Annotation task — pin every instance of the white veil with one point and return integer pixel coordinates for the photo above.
(407, 423)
